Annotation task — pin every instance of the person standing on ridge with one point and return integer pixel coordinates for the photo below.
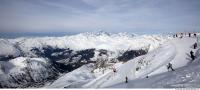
(176, 35)
(126, 79)
(195, 35)
(195, 45)
(189, 34)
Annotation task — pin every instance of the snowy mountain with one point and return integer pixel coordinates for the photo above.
(154, 65)
(100, 40)
(87, 60)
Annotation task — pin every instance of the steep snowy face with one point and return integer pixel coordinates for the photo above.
(7, 48)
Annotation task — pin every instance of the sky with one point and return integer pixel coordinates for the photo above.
(76, 16)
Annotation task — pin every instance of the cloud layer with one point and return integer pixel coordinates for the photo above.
(108, 15)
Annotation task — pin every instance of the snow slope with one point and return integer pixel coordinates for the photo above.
(187, 73)
(154, 65)
(156, 59)
(75, 78)
(182, 58)
(184, 77)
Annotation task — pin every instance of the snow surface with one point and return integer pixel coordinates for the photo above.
(75, 78)
(186, 74)
(184, 77)
(182, 58)
(157, 58)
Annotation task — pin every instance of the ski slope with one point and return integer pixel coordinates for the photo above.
(187, 76)
(156, 59)
(175, 51)
(184, 77)
(182, 58)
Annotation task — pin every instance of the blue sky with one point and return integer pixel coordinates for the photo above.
(75, 16)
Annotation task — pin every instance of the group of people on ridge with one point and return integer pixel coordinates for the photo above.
(180, 35)
(169, 66)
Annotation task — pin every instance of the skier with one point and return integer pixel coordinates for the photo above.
(192, 55)
(169, 66)
(189, 34)
(181, 35)
(114, 70)
(147, 76)
(126, 79)
(195, 35)
(195, 45)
